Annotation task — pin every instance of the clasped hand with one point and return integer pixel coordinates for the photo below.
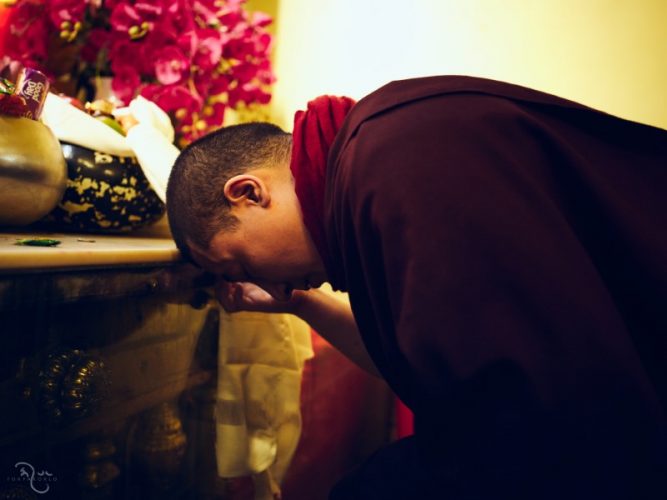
(245, 296)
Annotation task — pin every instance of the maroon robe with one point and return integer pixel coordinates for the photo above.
(505, 254)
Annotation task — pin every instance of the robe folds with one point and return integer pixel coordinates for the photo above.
(505, 254)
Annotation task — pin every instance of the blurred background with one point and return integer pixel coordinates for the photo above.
(608, 54)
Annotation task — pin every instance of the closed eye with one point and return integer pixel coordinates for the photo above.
(232, 279)
(242, 276)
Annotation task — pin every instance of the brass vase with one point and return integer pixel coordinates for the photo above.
(33, 173)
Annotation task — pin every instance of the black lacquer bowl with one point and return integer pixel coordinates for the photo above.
(105, 193)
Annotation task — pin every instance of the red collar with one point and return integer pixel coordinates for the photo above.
(314, 132)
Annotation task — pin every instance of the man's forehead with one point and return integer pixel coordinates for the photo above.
(208, 259)
(219, 262)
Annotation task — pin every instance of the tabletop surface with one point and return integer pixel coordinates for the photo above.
(84, 250)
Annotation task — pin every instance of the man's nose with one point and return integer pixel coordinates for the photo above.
(280, 292)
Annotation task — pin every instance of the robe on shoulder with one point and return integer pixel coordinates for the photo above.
(505, 254)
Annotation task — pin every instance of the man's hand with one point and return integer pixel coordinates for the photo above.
(330, 317)
(243, 296)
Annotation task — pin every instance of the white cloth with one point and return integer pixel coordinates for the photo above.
(150, 141)
(148, 113)
(70, 124)
(156, 155)
(258, 416)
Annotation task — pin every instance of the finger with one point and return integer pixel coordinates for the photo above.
(225, 295)
(258, 296)
(237, 296)
(220, 289)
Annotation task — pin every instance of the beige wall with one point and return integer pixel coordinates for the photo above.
(609, 54)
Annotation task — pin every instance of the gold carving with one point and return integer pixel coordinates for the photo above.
(72, 385)
(160, 445)
(99, 470)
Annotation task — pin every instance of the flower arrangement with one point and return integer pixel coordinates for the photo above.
(193, 58)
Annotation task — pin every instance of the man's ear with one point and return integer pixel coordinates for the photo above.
(244, 189)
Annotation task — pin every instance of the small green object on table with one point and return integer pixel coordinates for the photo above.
(37, 242)
(6, 87)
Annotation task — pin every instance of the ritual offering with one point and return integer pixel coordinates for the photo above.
(32, 85)
(14, 105)
(103, 110)
(10, 104)
(37, 242)
(6, 87)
